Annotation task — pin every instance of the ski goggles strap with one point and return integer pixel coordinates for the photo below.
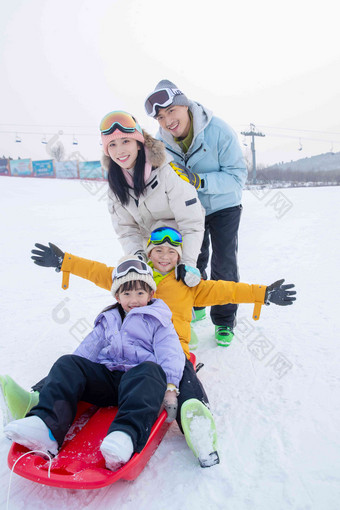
(138, 266)
(161, 98)
(119, 120)
(165, 234)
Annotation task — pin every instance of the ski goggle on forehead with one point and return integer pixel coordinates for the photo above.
(161, 98)
(138, 266)
(165, 235)
(119, 120)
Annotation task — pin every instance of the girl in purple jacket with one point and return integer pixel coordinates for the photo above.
(132, 358)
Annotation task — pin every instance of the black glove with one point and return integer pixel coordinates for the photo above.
(48, 256)
(279, 294)
(186, 175)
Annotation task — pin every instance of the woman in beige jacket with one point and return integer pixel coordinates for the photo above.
(145, 193)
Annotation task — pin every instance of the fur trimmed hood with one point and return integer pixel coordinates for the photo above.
(154, 152)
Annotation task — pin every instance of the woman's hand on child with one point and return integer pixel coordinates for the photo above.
(170, 404)
(51, 256)
(279, 294)
(141, 255)
(188, 274)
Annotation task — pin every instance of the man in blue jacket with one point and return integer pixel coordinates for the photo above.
(213, 162)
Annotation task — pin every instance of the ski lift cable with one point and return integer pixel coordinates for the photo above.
(262, 126)
(46, 133)
(302, 130)
(306, 138)
(46, 125)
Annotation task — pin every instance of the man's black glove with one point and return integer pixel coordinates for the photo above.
(51, 256)
(279, 294)
(185, 174)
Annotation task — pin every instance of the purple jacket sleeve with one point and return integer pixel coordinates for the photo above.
(92, 343)
(169, 353)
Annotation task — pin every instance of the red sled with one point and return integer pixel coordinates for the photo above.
(79, 463)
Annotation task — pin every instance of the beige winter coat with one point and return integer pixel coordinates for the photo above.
(168, 201)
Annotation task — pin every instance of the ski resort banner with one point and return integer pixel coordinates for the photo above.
(4, 167)
(66, 169)
(71, 169)
(21, 167)
(90, 170)
(43, 168)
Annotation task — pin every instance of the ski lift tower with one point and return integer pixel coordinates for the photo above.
(253, 133)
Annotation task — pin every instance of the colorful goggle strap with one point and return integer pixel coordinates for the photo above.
(119, 120)
(165, 234)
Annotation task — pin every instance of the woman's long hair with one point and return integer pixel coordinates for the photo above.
(117, 181)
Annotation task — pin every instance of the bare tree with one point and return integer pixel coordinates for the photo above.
(57, 151)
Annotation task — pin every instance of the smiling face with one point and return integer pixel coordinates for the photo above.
(133, 298)
(124, 152)
(164, 258)
(175, 120)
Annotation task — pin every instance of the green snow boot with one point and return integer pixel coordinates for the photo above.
(14, 400)
(193, 340)
(224, 335)
(200, 432)
(200, 314)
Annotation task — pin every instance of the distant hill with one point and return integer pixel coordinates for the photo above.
(323, 162)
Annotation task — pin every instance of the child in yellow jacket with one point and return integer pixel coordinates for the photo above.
(164, 252)
(165, 244)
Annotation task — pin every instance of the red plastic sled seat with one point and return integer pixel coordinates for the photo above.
(79, 463)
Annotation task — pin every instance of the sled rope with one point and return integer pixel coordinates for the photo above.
(15, 463)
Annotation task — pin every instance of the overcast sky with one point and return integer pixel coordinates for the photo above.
(65, 64)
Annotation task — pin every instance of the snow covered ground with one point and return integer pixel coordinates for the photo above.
(274, 392)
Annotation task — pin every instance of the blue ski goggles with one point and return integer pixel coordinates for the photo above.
(165, 235)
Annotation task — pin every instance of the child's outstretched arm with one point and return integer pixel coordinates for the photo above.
(52, 256)
(220, 292)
